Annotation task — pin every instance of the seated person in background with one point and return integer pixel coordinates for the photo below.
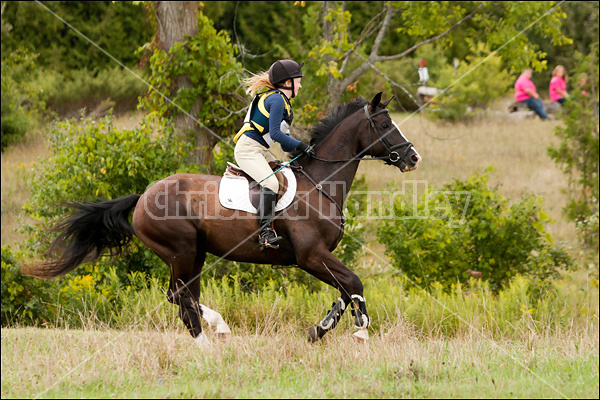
(525, 92)
(558, 85)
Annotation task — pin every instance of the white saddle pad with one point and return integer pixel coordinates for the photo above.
(234, 192)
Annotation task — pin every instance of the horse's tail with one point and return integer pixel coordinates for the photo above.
(85, 232)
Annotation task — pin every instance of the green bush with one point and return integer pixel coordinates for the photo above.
(94, 159)
(577, 151)
(19, 96)
(470, 226)
(25, 300)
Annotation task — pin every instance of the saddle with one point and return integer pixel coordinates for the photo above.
(236, 180)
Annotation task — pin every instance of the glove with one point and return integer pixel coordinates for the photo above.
(306, 149)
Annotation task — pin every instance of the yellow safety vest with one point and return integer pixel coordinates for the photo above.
(251, 125)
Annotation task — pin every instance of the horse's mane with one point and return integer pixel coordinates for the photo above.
(324, 127)
(326, 124)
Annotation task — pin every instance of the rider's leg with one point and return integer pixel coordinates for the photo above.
(253, 158)
(266, 209)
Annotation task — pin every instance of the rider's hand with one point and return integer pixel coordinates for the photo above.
(306, 149)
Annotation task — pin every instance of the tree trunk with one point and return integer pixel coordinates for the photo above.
(175, 20)
(334, 90)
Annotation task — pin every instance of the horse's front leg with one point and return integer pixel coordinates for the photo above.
(216, 322)
(324, 266)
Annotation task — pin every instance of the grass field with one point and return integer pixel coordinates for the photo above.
(52, 363)
(268, 356)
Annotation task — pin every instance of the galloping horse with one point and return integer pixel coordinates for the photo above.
(180, 219)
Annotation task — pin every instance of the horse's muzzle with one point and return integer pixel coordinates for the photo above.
(413, 162)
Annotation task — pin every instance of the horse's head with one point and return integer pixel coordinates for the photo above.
(383, 138)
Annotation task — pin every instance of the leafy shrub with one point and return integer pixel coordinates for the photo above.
(469, 226)
(24, 299)
(19, 96)
(477, 81)
(577, 151)
(95, 159)
(208, 60)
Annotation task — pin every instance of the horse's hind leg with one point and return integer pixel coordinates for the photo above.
(184, 291)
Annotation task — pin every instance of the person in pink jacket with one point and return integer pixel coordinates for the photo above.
(558, 85)
(525, 92)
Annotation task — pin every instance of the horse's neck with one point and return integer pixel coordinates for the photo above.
(341, 144)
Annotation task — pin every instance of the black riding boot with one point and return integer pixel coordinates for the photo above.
(267, 237)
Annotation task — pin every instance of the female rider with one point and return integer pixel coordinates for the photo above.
(267, 121)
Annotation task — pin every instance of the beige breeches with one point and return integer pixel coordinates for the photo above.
(254, 158)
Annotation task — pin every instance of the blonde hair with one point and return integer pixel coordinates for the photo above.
(564, 75)
(256, 82)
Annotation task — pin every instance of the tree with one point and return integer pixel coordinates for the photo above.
(194, 76)
(344, 57)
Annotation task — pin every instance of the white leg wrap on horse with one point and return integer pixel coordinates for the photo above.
(361, 336)
(202, 341)
(215, 320)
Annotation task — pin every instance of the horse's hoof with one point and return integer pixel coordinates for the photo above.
(224, 336)
(361, 336)
(315, 333)
(202, 341)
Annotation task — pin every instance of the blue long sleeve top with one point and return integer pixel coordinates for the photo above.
(275, 105)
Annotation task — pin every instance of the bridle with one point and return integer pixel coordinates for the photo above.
(393, 155)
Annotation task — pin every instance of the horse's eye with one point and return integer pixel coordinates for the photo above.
(384, 125)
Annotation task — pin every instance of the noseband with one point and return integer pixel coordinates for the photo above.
(393, 155)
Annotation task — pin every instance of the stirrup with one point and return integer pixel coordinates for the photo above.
(268, 240)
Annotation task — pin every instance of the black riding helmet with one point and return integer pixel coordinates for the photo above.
(282, 70)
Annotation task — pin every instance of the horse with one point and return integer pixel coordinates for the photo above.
(181, 220)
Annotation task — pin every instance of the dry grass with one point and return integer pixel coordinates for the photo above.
(394, 363)
(18, 162)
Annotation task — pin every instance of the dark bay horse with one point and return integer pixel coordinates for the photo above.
(180, 219)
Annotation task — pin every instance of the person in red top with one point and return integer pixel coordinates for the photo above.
(558, 85)
(525, 92)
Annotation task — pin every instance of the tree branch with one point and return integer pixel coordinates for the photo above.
(354, 75)
(387, 78)
(432, 39)
(367, 31)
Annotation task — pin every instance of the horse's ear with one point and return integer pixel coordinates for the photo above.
(376, 100)
(385, 103)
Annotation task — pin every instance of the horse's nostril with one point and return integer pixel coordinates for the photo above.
(414, 158)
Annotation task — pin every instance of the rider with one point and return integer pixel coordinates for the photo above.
(267, 121)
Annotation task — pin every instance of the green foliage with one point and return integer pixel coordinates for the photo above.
(117, 27)
(215, 76)
(577, 151)
(25, 300)
(473, 85)
(20, 102)
(468, 225)
(94, 159)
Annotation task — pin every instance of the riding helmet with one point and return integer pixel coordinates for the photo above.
(282, 70)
